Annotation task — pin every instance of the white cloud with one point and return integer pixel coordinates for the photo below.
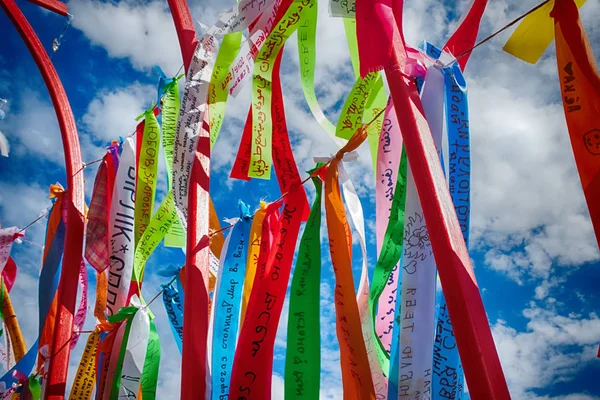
(112, 113)
(528, 212)
(20, 204)
(575, 396)
(143, 33)
(552, 349)
(33, 129)
(277, 387)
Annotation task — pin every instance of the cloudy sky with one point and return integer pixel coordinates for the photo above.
(532, 245)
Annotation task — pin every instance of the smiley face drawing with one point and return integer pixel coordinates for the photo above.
(591, 141)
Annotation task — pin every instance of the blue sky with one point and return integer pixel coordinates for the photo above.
(532, 245)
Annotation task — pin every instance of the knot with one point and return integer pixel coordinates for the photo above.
(56, 191)
(135, 301)
(340, 156)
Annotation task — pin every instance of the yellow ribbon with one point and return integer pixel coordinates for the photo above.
(253, 251)
(533, 36)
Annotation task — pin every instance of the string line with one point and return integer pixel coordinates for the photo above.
(464, 53)
(499, 31)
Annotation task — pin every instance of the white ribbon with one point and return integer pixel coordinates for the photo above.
(135, 352)
(242, 66)
(418, 268)
(357, 218)
(6, 240)
(121, 230)
(195, 96)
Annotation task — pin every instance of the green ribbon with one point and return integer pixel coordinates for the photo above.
(35, 388)
(261, 158)
(170, 113)
(303, 360)
(218, 92)
(151, 365)
(307, 34)
(389, 256)
(158, 227)
(125, 313)
(147, 169)
(364, 105)
(351, 117)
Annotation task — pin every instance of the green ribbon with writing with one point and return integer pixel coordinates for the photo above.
(389, 256)
(170, 113)
(376, 99)
(151, 365)
(303, 358)
(218, 91)
(145, 190)
(261, 158)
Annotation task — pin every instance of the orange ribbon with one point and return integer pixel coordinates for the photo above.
(580, 89)
(356, 375)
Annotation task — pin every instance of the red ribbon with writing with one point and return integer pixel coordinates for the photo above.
(580, 90)
(283, 157)
(253, 362)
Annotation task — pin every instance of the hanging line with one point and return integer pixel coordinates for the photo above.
(57, 41)
(464, 53)
(499, 31)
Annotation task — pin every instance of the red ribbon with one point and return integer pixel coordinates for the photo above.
(253, 363)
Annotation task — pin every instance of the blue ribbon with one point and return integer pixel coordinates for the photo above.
(227, 305)
(173, 301)
(48, 284)
(50, 274)
(448, 382)
(25, 366)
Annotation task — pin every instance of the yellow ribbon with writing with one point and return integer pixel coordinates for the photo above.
(85, 378)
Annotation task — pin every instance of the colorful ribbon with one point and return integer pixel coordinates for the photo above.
(218, 92)
(580, 88)
(121, 230)
(135, 336)
(195, 97)
(302, 357)
(172, 299)
(147, 169)
(356, 375)
(254, 249)
(227, 303)
(97, 247)
(534, 34)
(252, 367)
(262, 119)
(362, 298)
(387, 175)
(83, 383)
(170, 111)
(50, 274)
(151, 364)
